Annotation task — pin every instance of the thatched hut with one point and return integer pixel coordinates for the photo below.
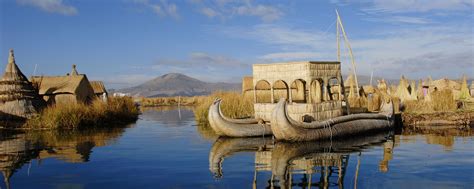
(402, 90)
(73, 87)
(18, 98)
(464, 91)
(447, 84)
(99, 89)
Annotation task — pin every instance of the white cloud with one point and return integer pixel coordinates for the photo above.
(290, 56)
(265, 12)
(404, 6)
(52, 6)
(162, 8)
(420, 5)
(123, 80)
(441, 51)
(409, 11)
(230, 8)
(201, 59)
(209, 12)
(401, 20)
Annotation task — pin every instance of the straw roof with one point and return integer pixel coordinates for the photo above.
(98, 87)
(368, 89)
(69, 88)
(17, 95)
(49, 85)
(402, 90)
(445, 83)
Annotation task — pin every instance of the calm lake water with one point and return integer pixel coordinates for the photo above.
(165, 149)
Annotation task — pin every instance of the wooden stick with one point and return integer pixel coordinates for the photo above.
(350, 50)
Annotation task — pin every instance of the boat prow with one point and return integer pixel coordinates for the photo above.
(285, 128)
(235, 127)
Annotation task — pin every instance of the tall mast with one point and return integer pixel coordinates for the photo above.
(346, 41)
(337, 41)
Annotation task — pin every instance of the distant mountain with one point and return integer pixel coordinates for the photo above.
(175, 84)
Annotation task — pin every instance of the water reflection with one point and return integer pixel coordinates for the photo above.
(444, 136)
(167, 115)
(317, 163)
(163, 150)
(18, 148)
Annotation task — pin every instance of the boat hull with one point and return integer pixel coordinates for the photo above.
(234, 128)
(285, 128)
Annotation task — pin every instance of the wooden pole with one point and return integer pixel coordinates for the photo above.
(346, 41)
(337, 41)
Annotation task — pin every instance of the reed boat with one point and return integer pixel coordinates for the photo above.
(224, 126)
(309, 91)
(285, 128)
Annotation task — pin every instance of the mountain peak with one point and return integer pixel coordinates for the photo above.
(177, 84)
(173, 76)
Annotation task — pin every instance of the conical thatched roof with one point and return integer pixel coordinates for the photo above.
(402, 90)
(464, 94)
(17, 95)
(350, 81)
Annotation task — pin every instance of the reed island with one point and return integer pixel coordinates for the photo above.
(59, 102)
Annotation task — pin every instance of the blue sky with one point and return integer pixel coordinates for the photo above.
(126, 42)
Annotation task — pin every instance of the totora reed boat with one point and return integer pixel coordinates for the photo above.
(285, 128)
(308, 91)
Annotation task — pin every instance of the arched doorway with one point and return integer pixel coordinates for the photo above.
(280, 90)
(298, 91)
(316, 91)
(263, 92)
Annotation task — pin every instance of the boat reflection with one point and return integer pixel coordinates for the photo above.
(18, 148)
(320, 164)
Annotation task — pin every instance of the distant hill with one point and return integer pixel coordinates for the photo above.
(175, 84)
